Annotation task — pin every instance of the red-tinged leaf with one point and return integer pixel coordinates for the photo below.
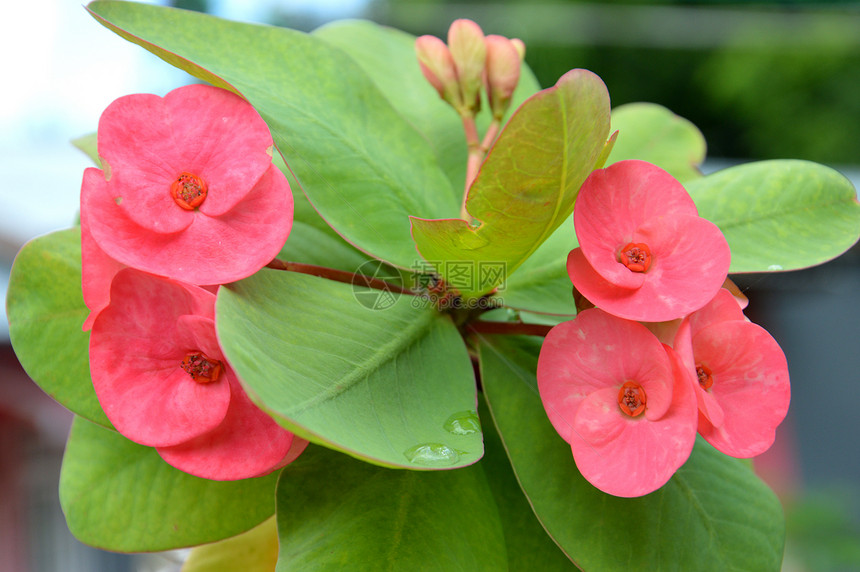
(526, 187)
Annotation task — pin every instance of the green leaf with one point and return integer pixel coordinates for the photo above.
(255, 551)
(88, 145)
(118, 495)
(780, 215)
(714, 514)
(363, 166)
(527, 185)
(336, 513)
(392, 385)
(652, 133)
(310, 245)
(387, 55)
(529, 546)
(46, 311)
(542, 283)
(312, 240)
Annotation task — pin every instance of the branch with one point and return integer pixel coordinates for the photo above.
(337, 275)
(509, 328)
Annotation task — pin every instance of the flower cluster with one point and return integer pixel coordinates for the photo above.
(666, 352)
(187, 199)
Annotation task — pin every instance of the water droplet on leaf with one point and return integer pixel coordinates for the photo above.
(431, 454)
(775, 267)
(463, 423)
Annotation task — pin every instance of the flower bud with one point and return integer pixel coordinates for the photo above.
(466, 42)
(520, 47)
(438, 67)
(502, 73)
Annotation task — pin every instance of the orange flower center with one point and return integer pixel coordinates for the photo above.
(706, 377)
(201, 368)
(189, 191)
(636, 256)
(631, 398)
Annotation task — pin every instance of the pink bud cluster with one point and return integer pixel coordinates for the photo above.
(187, 199)
(469, 61)
(666, 352)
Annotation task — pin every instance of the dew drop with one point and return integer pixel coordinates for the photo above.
(463, 423)
(431, 454)
(775, 267)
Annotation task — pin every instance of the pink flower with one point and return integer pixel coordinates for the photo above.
(620, 399)
(163, 381)
(644, 253)
(188, 189)
(740, 376)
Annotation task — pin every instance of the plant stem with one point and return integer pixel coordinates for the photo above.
(509, 328)
(476, 327)
(477, 153)
(337, 275)
(473, 161)
(490, 135)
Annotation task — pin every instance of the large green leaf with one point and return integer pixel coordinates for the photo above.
(780, 215)
(336, 513)
(528, 545)
(527, 185)
(253, 551)
(714, 514)
(541, 284)
(364, 167)
(389, 384)
(121, 496)
(387, 55)
(312, 240)
(652, 133)
(46, 311)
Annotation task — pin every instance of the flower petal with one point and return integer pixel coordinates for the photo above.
(597, 289)
(723, 307)
(140, 157)
(97, 268)
(690, 262)
(247, 444)
(613, 202)
(751, 385)
(197, 333)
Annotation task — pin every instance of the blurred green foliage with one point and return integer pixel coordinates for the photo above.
(789, 102)
(821, 533)
(764, 80)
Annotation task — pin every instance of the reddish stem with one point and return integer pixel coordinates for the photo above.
(337, 275)
(477, 153)
(490, 135)
(473, 161)
(479, 327)
(509, 328)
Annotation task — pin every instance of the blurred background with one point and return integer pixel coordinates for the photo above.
(762, 80)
